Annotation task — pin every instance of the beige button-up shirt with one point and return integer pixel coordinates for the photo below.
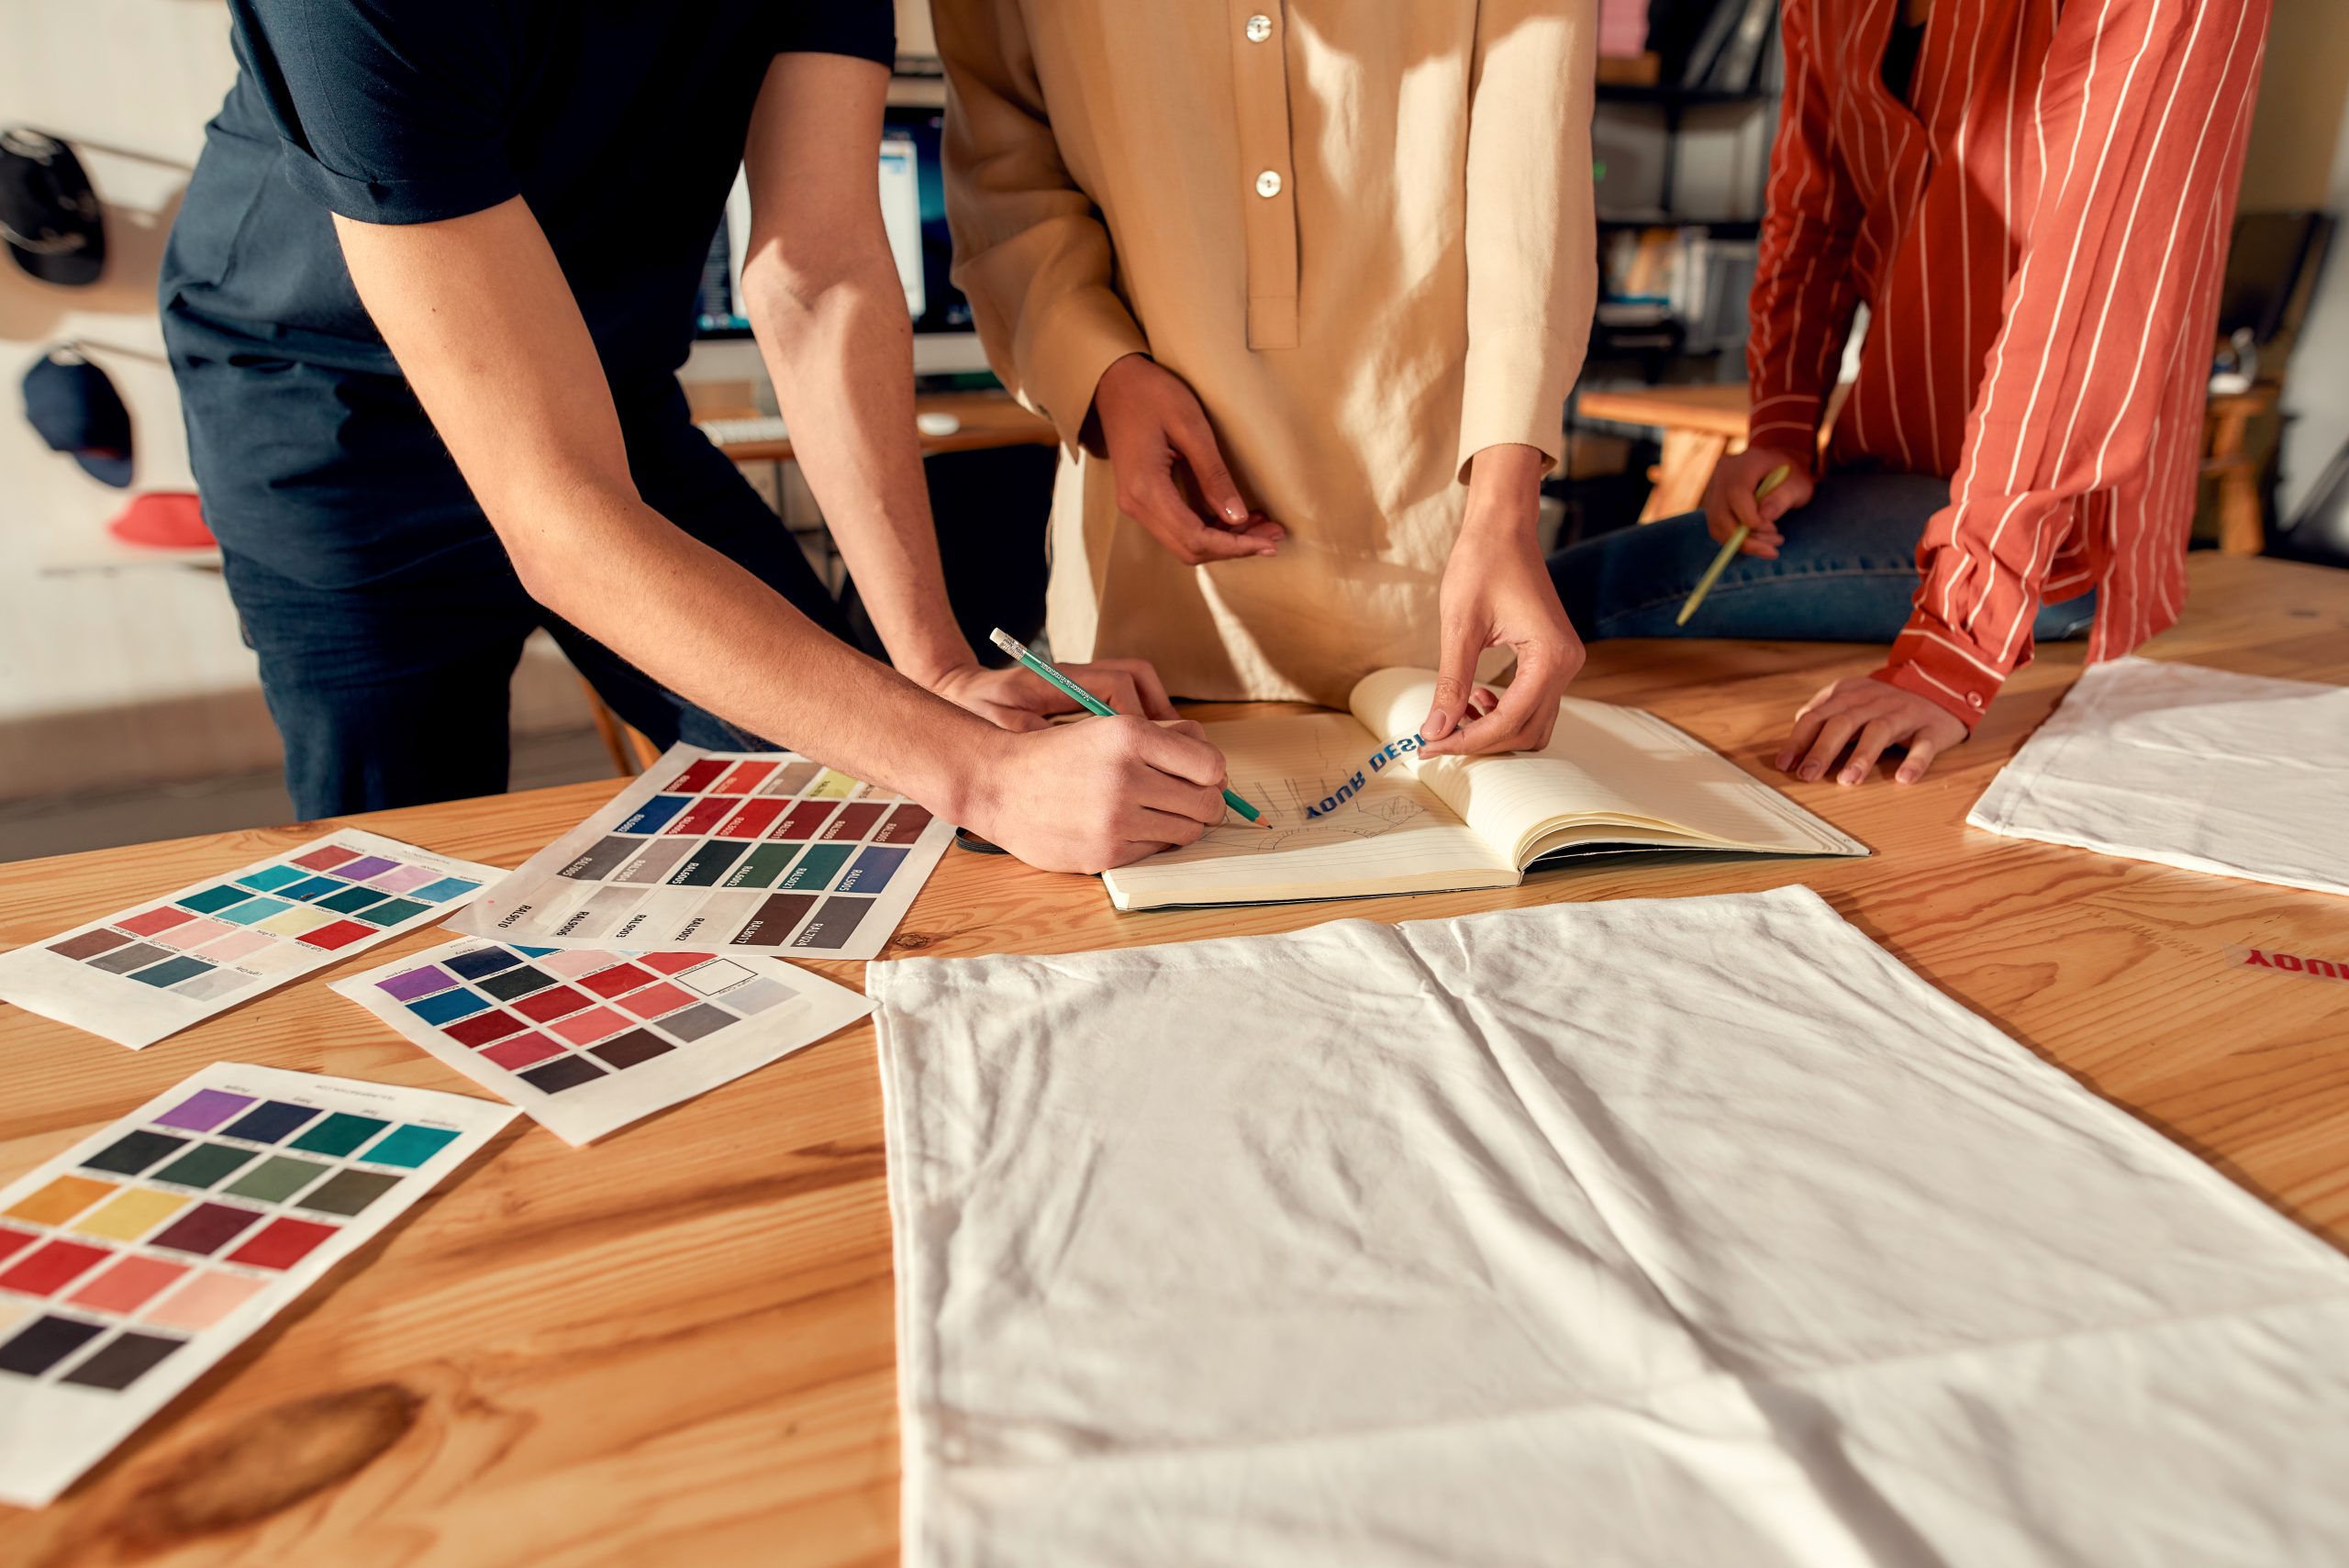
(1361, 231)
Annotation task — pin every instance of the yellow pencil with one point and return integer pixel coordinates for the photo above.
(1770, 482)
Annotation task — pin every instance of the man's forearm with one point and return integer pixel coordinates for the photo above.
(711, 631)
(841, 358)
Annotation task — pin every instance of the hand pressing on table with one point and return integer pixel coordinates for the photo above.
(1847, 726)
(1497, 593)
(1171, 475)
(1729, 503)
(1014, 698)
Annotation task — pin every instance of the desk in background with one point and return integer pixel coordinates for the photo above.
(677, 1346)
(1702, 425)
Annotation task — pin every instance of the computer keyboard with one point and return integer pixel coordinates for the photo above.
(742, 432)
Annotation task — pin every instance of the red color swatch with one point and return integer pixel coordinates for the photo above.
(482, 1028)
(325, 858)
(587, 1029)
(752, 820)
(341, 934)
(618, 978)
(129, 1285)
(744, 776)
(659, 999)
(204, 1228)
(551, 1002)
(802, 820)
(521, 1051)
(14, 1242)
(282, 1244)
(697, 777)
(705, 814)
(58, 1264)
(674, 962)
(148, 922)
(854, 821)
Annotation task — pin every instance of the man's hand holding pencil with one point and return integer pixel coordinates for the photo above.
(1105, 792)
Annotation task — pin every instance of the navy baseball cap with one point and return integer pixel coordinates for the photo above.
(49, 215)
(76, 409)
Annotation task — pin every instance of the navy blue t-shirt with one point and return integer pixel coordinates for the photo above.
(621, 122)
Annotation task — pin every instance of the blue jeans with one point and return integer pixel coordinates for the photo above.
(1846, 574)
(386, 615)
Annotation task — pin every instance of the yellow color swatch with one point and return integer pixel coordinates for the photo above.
(61, 1200)
(831, 787)
(132, 1216)
(298, 921)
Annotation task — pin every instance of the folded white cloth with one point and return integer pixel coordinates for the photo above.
(2205, 768)
(1689, 1231)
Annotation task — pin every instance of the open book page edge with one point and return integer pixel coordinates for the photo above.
(1382, 699)
(1122, 898)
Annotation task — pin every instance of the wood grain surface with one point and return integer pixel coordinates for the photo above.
(675, 1346)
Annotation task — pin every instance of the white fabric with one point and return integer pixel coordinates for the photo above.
(1675, 1233)
(2204, 769)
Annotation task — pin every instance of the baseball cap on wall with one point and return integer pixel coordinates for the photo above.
(163, 519)
(48, 213)
(76, 410)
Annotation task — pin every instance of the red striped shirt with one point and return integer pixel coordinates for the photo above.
(2039, 241)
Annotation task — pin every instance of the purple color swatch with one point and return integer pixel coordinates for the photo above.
(407, 879)
(364, 867)
(408, 984)
(204, 1110)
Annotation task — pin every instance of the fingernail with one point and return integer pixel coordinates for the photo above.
(1906, 776)
(1811, 771)
(1233, 511)
(1850, 776)
(1786, 760)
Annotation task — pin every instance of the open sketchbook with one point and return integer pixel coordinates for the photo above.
(1353, 816)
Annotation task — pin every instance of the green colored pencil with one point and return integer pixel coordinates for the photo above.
(1094, 704)
(1770, 482)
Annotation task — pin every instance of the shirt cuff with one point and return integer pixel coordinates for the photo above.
(1788, 421)
(1086, 332)
(1928, 661)
(454, 195)
(1514, 397)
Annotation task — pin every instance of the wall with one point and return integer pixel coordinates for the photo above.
(2300, 158)
(137, 670)
(114, 675)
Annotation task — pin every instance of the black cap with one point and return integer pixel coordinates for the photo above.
(49, 214)
(75, 409)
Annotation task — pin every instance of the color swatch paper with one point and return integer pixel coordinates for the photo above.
(160, 966)
(588, 1041)
(765, 852)
(132, 1262)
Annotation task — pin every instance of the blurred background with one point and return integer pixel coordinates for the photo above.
(130, 708)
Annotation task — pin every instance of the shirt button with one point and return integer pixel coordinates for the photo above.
(1260, 27)
(1974, 697)
(1268, 183)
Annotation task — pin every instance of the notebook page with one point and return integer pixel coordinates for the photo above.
(1329, 836)
(1609, 775)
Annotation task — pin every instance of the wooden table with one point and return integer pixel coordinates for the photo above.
(988, 419)
(1698, 425)
(676, 1346)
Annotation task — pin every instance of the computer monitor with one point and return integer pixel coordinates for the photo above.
(913, 208)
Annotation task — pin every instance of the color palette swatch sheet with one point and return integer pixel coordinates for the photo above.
(138, 1259)
(726, 851)
(158, 967)
(588, 1041)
